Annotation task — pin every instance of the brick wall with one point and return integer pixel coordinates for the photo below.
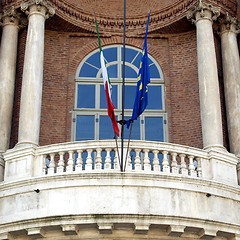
(176, 54)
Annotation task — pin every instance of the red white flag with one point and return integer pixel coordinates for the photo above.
(107, 87)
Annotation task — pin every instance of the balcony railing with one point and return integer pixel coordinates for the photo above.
(104, 155)
(141, 156)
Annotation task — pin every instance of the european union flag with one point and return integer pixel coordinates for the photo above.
(141, 99)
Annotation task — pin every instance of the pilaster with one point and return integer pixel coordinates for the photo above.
(229, 27)
(203, 16)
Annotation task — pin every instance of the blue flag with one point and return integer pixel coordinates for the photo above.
(143, 79)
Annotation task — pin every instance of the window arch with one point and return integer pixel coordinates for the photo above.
(90, 119)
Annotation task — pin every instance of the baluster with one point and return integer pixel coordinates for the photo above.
(69, 167)
(79, 162)
(184, 170)
(98, 160)
(199, 167)
(107, 163)
(129, 161)
(52, 164)
(137, 161)
(89, 160)
(156, 165)
(45, 164)
(116, 159)
(60, 167)
(146, 161)
(165, 163)
(191, 168)
(174, 165)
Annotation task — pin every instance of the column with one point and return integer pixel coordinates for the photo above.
(31, 95)
(8, 55)
(231, 72)
(203, 15)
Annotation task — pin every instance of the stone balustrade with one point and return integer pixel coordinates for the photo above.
(103, 156)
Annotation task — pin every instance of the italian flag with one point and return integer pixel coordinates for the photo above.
(107, 87)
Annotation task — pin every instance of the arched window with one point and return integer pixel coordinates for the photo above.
(90, 119)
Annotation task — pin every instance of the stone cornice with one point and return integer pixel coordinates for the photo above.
(159, 17)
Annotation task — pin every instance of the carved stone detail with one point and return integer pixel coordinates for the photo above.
(229, 23)
(11, 16)
(40, 6)
(203, 10)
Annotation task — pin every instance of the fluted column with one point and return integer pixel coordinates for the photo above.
(203, 15)
(231, 72)
(31, 95)
(8, 54)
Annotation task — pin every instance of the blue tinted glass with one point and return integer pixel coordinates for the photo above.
(154, 129)
(110, 54)
(131, 54)
(130, 73)
(154, 73)
(86, 96)
(94, 59)
(84, 128)
(137, 61)
(103, 102)
(155, 97)
(112, 71)
(130, 92)
(105, 128)
(135, 130)
(88, 71)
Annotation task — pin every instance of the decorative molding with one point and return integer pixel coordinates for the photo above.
(201, 10)
(160, 18)
(49, 10)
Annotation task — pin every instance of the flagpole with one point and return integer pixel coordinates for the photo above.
(123, 84)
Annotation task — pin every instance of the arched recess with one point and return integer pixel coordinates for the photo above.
(90, 120)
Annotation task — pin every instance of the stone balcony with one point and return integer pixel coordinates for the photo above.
(176, 190)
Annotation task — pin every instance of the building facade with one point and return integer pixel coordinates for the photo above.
(60, 174)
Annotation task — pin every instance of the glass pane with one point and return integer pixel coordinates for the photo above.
(130, 93)
(88, 71)
(86, 96)
(84, 127)
(112, 71)
(154, 73)
(154, 129)
(155, 97)
(110, 54)
(105, 128)
(132, 56)
(135, 130)
(130, 72)
(103, 102)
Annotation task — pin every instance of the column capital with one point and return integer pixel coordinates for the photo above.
(42, 7)
(10, 16)
(203, 11)
(229, 24)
